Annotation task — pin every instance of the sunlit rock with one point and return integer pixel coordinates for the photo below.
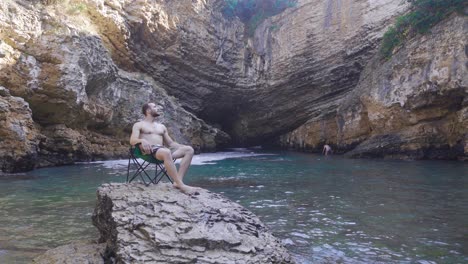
(88, 66)
(163, 225)
(411, 106)
(61, 57)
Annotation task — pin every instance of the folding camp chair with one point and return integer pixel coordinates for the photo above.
(160, 171)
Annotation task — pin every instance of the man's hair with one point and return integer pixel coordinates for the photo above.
(144, 108)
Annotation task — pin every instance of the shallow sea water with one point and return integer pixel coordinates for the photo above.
(324, 209)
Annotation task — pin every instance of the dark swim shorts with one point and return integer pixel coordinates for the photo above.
(154, 148)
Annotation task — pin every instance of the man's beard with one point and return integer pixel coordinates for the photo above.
(154, 114)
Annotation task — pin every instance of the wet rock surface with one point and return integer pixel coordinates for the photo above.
(162, 225)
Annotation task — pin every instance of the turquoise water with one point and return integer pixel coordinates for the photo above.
(325, 210)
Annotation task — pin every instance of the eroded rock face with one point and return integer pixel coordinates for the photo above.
(411, 106)
(302, 62)
(297, 65)
(86, 67)
(162, 225)
(18, 133)
(56, 58)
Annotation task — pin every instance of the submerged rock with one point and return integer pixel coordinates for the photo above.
(77, 252)
(163, 225)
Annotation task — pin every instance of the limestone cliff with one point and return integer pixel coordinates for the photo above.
(297, 64)
(411, 106)
(84, 68)
(302, 62)
(62, 59)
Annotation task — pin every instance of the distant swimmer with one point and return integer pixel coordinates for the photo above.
(327, 150)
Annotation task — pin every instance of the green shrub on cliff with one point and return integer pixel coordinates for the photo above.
(76, 8)
(253, 12)
(422, 16)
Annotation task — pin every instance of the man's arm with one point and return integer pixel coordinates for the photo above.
(135, 138)
(168, 140)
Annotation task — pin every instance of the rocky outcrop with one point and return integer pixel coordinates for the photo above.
(18, 133)
(82, 104)
(160, 224)
(412, 106)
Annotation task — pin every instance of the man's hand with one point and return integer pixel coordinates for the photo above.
(145, 146)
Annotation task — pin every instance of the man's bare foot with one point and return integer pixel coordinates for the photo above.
(187, 189)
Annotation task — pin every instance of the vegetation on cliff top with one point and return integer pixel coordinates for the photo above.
(254, 12)
(422, 16)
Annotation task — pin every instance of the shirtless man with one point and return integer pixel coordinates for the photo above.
(327, 150)
(152, 135)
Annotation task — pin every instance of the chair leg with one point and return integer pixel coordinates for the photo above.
(140, 170)
(160, 171)
(128, 169)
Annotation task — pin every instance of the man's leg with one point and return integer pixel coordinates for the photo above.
(165, 155)
(186, 153)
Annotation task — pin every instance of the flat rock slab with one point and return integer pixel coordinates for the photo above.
(160, 224)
